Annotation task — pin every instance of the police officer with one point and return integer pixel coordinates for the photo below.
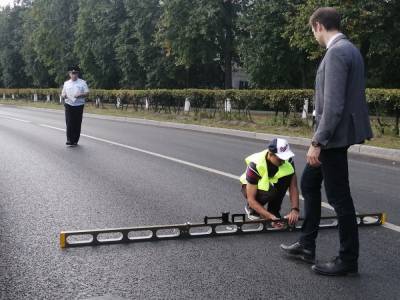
(269, 174)
(74, 93)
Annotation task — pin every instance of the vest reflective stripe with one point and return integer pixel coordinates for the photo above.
(260, 160)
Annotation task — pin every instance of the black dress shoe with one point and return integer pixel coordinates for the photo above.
(68, 143)
(336, 267)
(298, 251)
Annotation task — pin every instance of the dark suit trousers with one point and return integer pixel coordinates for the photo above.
(334, 172)
(73, 120)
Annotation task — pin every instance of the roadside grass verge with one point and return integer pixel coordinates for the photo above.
(261, 122)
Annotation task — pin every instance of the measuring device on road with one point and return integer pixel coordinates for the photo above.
(224, 225)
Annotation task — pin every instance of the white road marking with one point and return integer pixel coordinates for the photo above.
(183, 162)
(152, 153)
(15, 119)
(391, 226)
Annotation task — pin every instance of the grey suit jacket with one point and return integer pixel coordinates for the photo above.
(342, 117)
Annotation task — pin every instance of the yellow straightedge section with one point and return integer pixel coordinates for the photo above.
(384, 218)
(62, 240)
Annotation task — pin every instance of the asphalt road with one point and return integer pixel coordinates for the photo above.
(46, 188)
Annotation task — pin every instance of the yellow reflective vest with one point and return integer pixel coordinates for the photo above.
(260, 160)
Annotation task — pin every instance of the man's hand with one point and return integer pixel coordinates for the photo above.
(292, 217)
(313, 156)
(271, 217)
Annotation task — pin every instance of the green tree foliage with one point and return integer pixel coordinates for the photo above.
(35, 69)
(266, 53)
(200, 36)
(11, 62)
(187, 43)
(52, 35)
(374, 25)
(97, 25)
(187, 35)
(140, 57)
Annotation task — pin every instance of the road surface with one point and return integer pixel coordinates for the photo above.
(125, 174)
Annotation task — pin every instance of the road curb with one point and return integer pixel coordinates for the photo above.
(388, 154)
(371, 151)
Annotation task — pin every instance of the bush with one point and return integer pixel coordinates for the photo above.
(210, 102)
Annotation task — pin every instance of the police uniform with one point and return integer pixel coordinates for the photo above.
(74, 107)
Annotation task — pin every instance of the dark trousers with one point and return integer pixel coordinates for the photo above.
(335, 174)
(274, 196)
(73, 120)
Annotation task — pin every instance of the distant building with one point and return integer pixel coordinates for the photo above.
(240, 79)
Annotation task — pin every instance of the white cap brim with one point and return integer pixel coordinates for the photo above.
(285, 155)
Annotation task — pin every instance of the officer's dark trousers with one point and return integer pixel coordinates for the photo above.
(334, 172)
(274, 196)
(73, 120)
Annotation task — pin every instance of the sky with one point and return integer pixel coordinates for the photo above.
(5, 2)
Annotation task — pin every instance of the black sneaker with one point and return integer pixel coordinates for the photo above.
(298, 251)
(336, 267)
(251, 213)
(68, 143)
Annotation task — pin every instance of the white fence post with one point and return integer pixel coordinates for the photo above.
(187, 105)
(4, 96)
(35, 97)
(305, 109)
(228, 105)
(13, 96)
(147, 104)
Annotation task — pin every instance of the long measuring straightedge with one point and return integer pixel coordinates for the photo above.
(211, 227)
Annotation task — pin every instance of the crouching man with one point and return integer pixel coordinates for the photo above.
(268, 176)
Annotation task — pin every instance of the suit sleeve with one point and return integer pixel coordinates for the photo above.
(335, 85)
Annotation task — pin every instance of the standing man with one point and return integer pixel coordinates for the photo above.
(342, 119)
(269, 174)
(74, 92)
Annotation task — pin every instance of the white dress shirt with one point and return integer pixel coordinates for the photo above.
(71, 89)
(332, 39)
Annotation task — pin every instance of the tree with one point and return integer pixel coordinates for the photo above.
(372, 24)
(11, 62)
(266, 53)
(53, 35)
(126, 44)
(200, 35)
(35, 70)
(97, 25)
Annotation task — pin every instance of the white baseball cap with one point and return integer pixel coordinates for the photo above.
(280, 147)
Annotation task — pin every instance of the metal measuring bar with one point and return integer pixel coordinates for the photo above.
(224, 225)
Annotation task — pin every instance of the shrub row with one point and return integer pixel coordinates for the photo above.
(167, 99)
(381, 101)
(202, 96)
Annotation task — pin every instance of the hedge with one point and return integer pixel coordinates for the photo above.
(381, 101)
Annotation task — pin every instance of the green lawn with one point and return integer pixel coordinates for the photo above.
(264, 123)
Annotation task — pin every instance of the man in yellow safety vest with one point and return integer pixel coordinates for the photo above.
(269, 174)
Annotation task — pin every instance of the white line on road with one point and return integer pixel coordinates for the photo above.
(15, 119)
(152, 153)
(183, 162)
